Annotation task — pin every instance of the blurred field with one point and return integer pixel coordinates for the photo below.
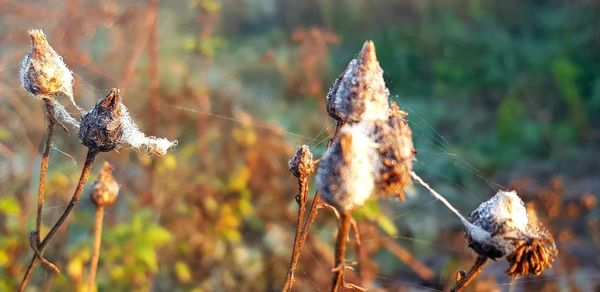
(500, 94)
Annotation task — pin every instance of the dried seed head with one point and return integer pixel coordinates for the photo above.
(43, 72)
(346, 173)
(360, 92)
(396, 152)
(101, 128)
(105, 189)
(504, 230)
(302, 164)
(109, 125)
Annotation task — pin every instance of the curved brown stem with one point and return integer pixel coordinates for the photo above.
(96, 248)
(471, 275)
(85, 173)
(340, 251)
(33, 242)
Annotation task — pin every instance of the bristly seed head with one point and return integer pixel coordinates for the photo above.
(101, 128)
(528, 247)
(43, 72)
(302, 164)
(360, 92)
(105, 189)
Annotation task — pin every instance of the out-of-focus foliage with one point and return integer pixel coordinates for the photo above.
(495, 90)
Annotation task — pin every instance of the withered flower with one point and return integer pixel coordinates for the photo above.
(108, 126)
(360, 92)
(105, 189)
(506, 231)
(101, 128)
(43, 72)
(302, 164)
(346, 173)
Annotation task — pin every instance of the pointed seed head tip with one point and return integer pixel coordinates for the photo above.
(105, 189)
(367, 54)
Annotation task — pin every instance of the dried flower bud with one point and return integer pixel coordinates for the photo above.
(109, 125)
(360, 93)
(43, 72)
(346, 173)
(101, 128)
(105, 189)
(302, 164)
(396, 152)
(504, 230)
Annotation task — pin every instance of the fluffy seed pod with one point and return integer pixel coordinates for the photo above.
(105, 189)
(360, 92)
(43, 72)
(504, 230)
(101, 128)
(346, 173)
(396, 152)
(302, 164)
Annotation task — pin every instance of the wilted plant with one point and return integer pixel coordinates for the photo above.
(104, 193)
(370, 154)
(102, 129)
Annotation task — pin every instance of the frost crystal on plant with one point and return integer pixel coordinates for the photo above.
(346, 174)
(506, 231)
(360, 92)
(43, 72)
(109, 125)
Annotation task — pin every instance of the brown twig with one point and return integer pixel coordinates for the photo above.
(302, 233)
(298, 242)
(33, 242)
(85, 172)
(96, 248)
(340, 251)
(44, 166)
(471, 275)
(405, 256)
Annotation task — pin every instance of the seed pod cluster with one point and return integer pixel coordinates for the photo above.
(43, 72)
(373, 153)
(302, 164)
(101, 128)
(105, 189)
(527, 246)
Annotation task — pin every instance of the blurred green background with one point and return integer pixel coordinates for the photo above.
(500, 95)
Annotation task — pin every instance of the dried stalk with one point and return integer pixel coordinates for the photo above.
(302, 233)
(298, 239)
(44, 166)
(340, 251)
(96, 248)
(471, 275)
(85, 172)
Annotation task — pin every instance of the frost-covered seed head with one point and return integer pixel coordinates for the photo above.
(43, 72)
(101, 128)
(360, 92)
(509, 233)
(302, 164)
(105, 189)
(346, 173)
(396, 152)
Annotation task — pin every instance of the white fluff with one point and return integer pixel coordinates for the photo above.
(135, 138)
(360, 172)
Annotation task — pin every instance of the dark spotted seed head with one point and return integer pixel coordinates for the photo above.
(302, 164)
(101, 128)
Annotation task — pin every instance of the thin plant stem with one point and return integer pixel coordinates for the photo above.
(44, 167)
(471, 275)
(302, 230)
(96, 248)
(301, 200)
(340, 251)
(85, 173)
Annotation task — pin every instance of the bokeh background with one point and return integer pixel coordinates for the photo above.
(500, 95)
